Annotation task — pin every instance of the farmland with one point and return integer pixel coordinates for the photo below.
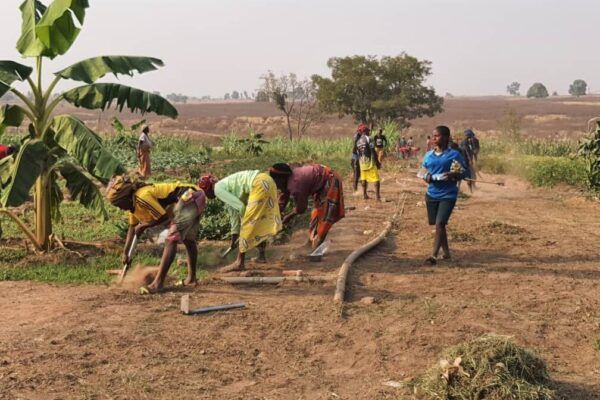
(525, 265)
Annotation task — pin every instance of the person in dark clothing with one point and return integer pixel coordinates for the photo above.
(362, 128)
(471, 144)
(381, 143)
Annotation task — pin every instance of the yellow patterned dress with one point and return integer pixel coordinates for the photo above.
(251, 198)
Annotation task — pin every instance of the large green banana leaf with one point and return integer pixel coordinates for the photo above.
(57, 30)
(92, 69)
(85, 146)
(10, 115)
(83, 189)
(101, 96)
(25, 170)
(11, 71)
(29, 45)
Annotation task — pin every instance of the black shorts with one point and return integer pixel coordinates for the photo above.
(439, 211)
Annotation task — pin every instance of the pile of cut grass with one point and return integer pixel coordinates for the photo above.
(490, 367)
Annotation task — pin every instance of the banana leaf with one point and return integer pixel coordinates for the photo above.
(102, 95)
(5, 170)
(57, 29)
(11, 71)
(82, 189)
(92, 69)
(29, 45)
(56, 197)
(10, 115)
(86, 147)
(25, 170)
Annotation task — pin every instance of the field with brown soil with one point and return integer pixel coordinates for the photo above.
(562, 116)
(525, 264)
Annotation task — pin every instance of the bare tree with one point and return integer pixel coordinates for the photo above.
(295, 98)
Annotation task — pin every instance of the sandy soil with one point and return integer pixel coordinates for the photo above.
(525, 264)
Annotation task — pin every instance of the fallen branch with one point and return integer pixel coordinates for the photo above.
(340, 289)
(275, 279)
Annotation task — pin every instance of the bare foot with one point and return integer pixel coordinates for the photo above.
(189, 281)
(259, 260)
(365, 197)
(151, 288)
(236, 266)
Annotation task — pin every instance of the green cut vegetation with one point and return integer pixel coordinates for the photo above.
(488, 367)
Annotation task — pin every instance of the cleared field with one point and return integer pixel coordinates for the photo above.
(523, 266)
(562, 116)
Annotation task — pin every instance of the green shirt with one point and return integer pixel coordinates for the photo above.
(234, 190)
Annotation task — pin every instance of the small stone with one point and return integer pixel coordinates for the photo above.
(367, 300)
(367, 233)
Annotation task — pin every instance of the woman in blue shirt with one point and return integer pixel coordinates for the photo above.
(442, 167)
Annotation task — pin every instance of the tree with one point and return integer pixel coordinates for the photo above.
(537, 90)
(246, 95)
(578, 88)
(372, 89)
(235, 95)
(62, 146)
(295, 98)
(513, 89)
(227, 96)
(261, 96)
(177, 98)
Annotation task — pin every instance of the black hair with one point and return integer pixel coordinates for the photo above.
(280, 169)
(146, 130)
(443, 130)
(12, 149)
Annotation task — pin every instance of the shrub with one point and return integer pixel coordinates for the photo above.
(537, 90)
(550, 171)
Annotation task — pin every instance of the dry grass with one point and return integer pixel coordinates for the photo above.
(489, 367)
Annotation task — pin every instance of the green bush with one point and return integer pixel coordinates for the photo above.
(493, 164)
(550, 171)
(214, 224)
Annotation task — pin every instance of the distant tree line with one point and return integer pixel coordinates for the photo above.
(538, 90)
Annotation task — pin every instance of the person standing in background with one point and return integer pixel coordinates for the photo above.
(381, 143)
(143, 152)
(428, 144)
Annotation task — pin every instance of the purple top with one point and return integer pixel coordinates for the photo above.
(304, 182)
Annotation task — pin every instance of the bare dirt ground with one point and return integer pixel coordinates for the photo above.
(525, 264)
(564, 116)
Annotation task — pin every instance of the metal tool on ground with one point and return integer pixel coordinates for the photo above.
(317, 255)
(186, 310)
(488, 182)
(130, 253)
(230, 249)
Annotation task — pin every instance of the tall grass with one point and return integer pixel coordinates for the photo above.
(543, 162)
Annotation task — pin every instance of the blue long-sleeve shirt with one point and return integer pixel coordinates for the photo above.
(439, 164)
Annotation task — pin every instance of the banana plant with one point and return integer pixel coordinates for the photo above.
(62, 146)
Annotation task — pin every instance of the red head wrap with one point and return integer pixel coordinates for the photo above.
(207, 184)
(362, 128)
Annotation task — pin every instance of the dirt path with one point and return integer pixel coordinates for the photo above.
(525, 264)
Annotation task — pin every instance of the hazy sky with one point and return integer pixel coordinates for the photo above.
(211, 47)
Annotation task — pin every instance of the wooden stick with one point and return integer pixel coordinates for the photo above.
(340, 289)
(489, 182)
(274, 279)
